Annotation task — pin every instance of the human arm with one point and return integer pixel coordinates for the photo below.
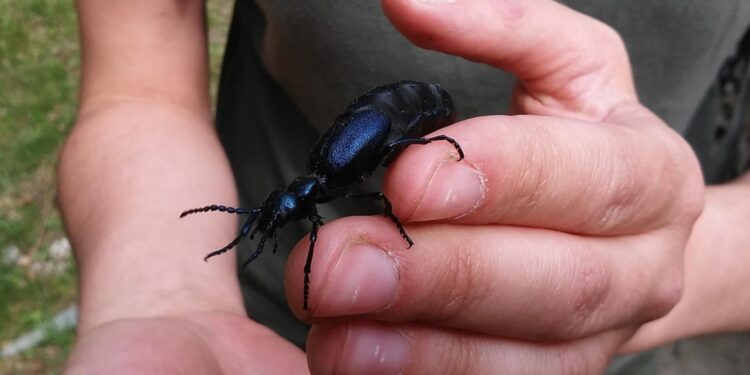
(143, 149)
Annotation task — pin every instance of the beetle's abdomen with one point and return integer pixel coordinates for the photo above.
(361, 138)
(415, 108)
(349, 151)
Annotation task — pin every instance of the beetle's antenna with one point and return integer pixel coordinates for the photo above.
(216, 207)
(243, 232)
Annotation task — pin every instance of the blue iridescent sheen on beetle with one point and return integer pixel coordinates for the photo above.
(372, 131)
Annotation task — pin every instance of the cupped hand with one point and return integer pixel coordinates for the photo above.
(208, 342)
(559, 234)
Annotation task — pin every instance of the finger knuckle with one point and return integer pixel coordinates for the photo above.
(464, 357)
(691, 184)
(572, 361)
(682, 176)
(621, 196)
(532, 177)
(666, 296)
(462, 283)
(608, 36)
(588, 281)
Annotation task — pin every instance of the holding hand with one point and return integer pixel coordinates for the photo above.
(561, 233)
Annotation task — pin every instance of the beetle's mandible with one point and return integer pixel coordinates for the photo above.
(372, 131)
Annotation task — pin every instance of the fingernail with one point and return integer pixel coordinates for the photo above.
(437, 1)
(371, 349)
(454, 190)
(363, 280)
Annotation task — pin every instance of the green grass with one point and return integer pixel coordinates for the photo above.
(39, 72)
(39, 61)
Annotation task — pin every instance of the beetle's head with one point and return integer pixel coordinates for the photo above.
(280, 207)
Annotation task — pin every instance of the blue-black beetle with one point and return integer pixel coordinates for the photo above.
(372, 131)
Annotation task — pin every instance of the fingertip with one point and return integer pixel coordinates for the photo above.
(325, 344)
(357, 348)
(294, 277)
(424, 22)
(349, 290)
(406, 179)
(436, 182)
(563, 58)
(347, 261)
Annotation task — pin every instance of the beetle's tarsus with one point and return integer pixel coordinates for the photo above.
(317, 222)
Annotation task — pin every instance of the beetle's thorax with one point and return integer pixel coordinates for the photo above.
(296, 202)
(306, 190)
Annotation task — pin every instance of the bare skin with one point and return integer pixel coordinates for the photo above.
(567, 234)
(142, 148)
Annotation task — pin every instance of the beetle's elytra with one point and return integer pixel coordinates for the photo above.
(371, 132)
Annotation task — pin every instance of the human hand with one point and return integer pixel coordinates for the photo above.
(148, 302)
(142, 149)
(189, 343)
(558, 236)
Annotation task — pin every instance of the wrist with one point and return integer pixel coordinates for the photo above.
(121, 287)
(126, 172)
(715, 272)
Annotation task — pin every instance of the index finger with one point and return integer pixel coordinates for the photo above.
(567, 63)
(603, 164)
(563, 174)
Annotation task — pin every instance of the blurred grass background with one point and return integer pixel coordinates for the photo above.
(39, 72)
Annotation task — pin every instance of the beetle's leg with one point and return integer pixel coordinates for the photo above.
(269, 230)
(243, 232)
(450, 140)
(216, 207)
(397, 145)
(387, 211)
(275, 242)
(257, 252)
(317, 222)
(252, 235)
